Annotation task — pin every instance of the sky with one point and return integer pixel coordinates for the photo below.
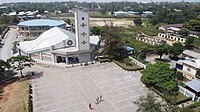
(8, 1)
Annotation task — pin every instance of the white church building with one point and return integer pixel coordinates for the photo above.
(59, 45)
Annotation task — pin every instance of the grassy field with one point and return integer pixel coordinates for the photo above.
(15, 97)
(100, 21)
(138, 45)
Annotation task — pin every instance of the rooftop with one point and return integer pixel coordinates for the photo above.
(192, 54)
(42, 22)
(172, 25)
(194, 84)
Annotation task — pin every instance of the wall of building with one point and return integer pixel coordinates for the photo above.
(188, 70)
(84, 57)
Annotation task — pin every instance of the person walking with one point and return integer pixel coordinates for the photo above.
(101, 98)
(97, 100)
(90, 106)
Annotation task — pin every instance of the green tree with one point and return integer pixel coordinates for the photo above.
(68, 21)
(160, 76)
(20, 62)
(189, 41)
(161, 49)
(150, 103)
(137, 21)
(183, 32)
(95, 30)
(112, 42)
(193, 25)
(176, 50)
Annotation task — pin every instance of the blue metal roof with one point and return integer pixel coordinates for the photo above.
(194, 84)
(128, 48)
(42, 22)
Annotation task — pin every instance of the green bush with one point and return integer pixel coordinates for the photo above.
(127, 60)
(104, 59)
(180, 75)
(194, 105)
(170, 98)
(183, 100)
(133, 68)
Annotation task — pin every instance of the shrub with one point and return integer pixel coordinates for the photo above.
(183, 100)
(180, 75)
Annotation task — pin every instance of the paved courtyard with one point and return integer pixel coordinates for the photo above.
(72, 89)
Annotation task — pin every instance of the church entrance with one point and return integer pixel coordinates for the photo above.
(73, 60)
(61, 59)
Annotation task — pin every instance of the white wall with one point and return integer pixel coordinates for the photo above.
(190, 70)
(82, 18)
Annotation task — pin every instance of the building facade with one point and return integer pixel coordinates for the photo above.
(58, 45)
(34, 28)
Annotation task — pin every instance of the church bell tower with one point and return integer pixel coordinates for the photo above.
(82, 30)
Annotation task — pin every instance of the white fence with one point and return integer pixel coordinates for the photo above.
(137, 62)
(187, 92)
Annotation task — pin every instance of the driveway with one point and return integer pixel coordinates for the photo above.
(151, 59)
(6, 50)
(72, 89)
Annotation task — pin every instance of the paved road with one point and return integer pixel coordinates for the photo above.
(72, 89)
(172, 63)
(6, 50)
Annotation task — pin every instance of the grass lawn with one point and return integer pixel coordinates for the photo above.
(130, 66)
(15, 97)
(138, 45)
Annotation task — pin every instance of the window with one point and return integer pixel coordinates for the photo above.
(83, 18)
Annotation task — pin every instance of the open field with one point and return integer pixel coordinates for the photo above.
(15, 98)
(72, 89)
(100, 21)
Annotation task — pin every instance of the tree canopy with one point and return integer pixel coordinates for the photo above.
(176, 50)
(189, 41)
(193, 25)
(149, 103)
(112, 42)
(137, 21)
(160, 76)
(20, 62)
(161, 49)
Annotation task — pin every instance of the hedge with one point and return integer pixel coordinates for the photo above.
(30, 102)
(178, 101)
(183, 100)
(194, 105)
(128, 69)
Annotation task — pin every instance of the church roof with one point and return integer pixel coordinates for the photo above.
(46, 40)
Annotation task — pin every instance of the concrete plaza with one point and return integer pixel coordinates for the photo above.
(72, 89)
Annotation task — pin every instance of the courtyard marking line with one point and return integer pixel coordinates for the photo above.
(127, 106)
(102, 91)
(109, 85)
(103, 69)
(81, 110)
(124, 93)
(115, 77)
(110, 90)
(129, 98)
(81, 96)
